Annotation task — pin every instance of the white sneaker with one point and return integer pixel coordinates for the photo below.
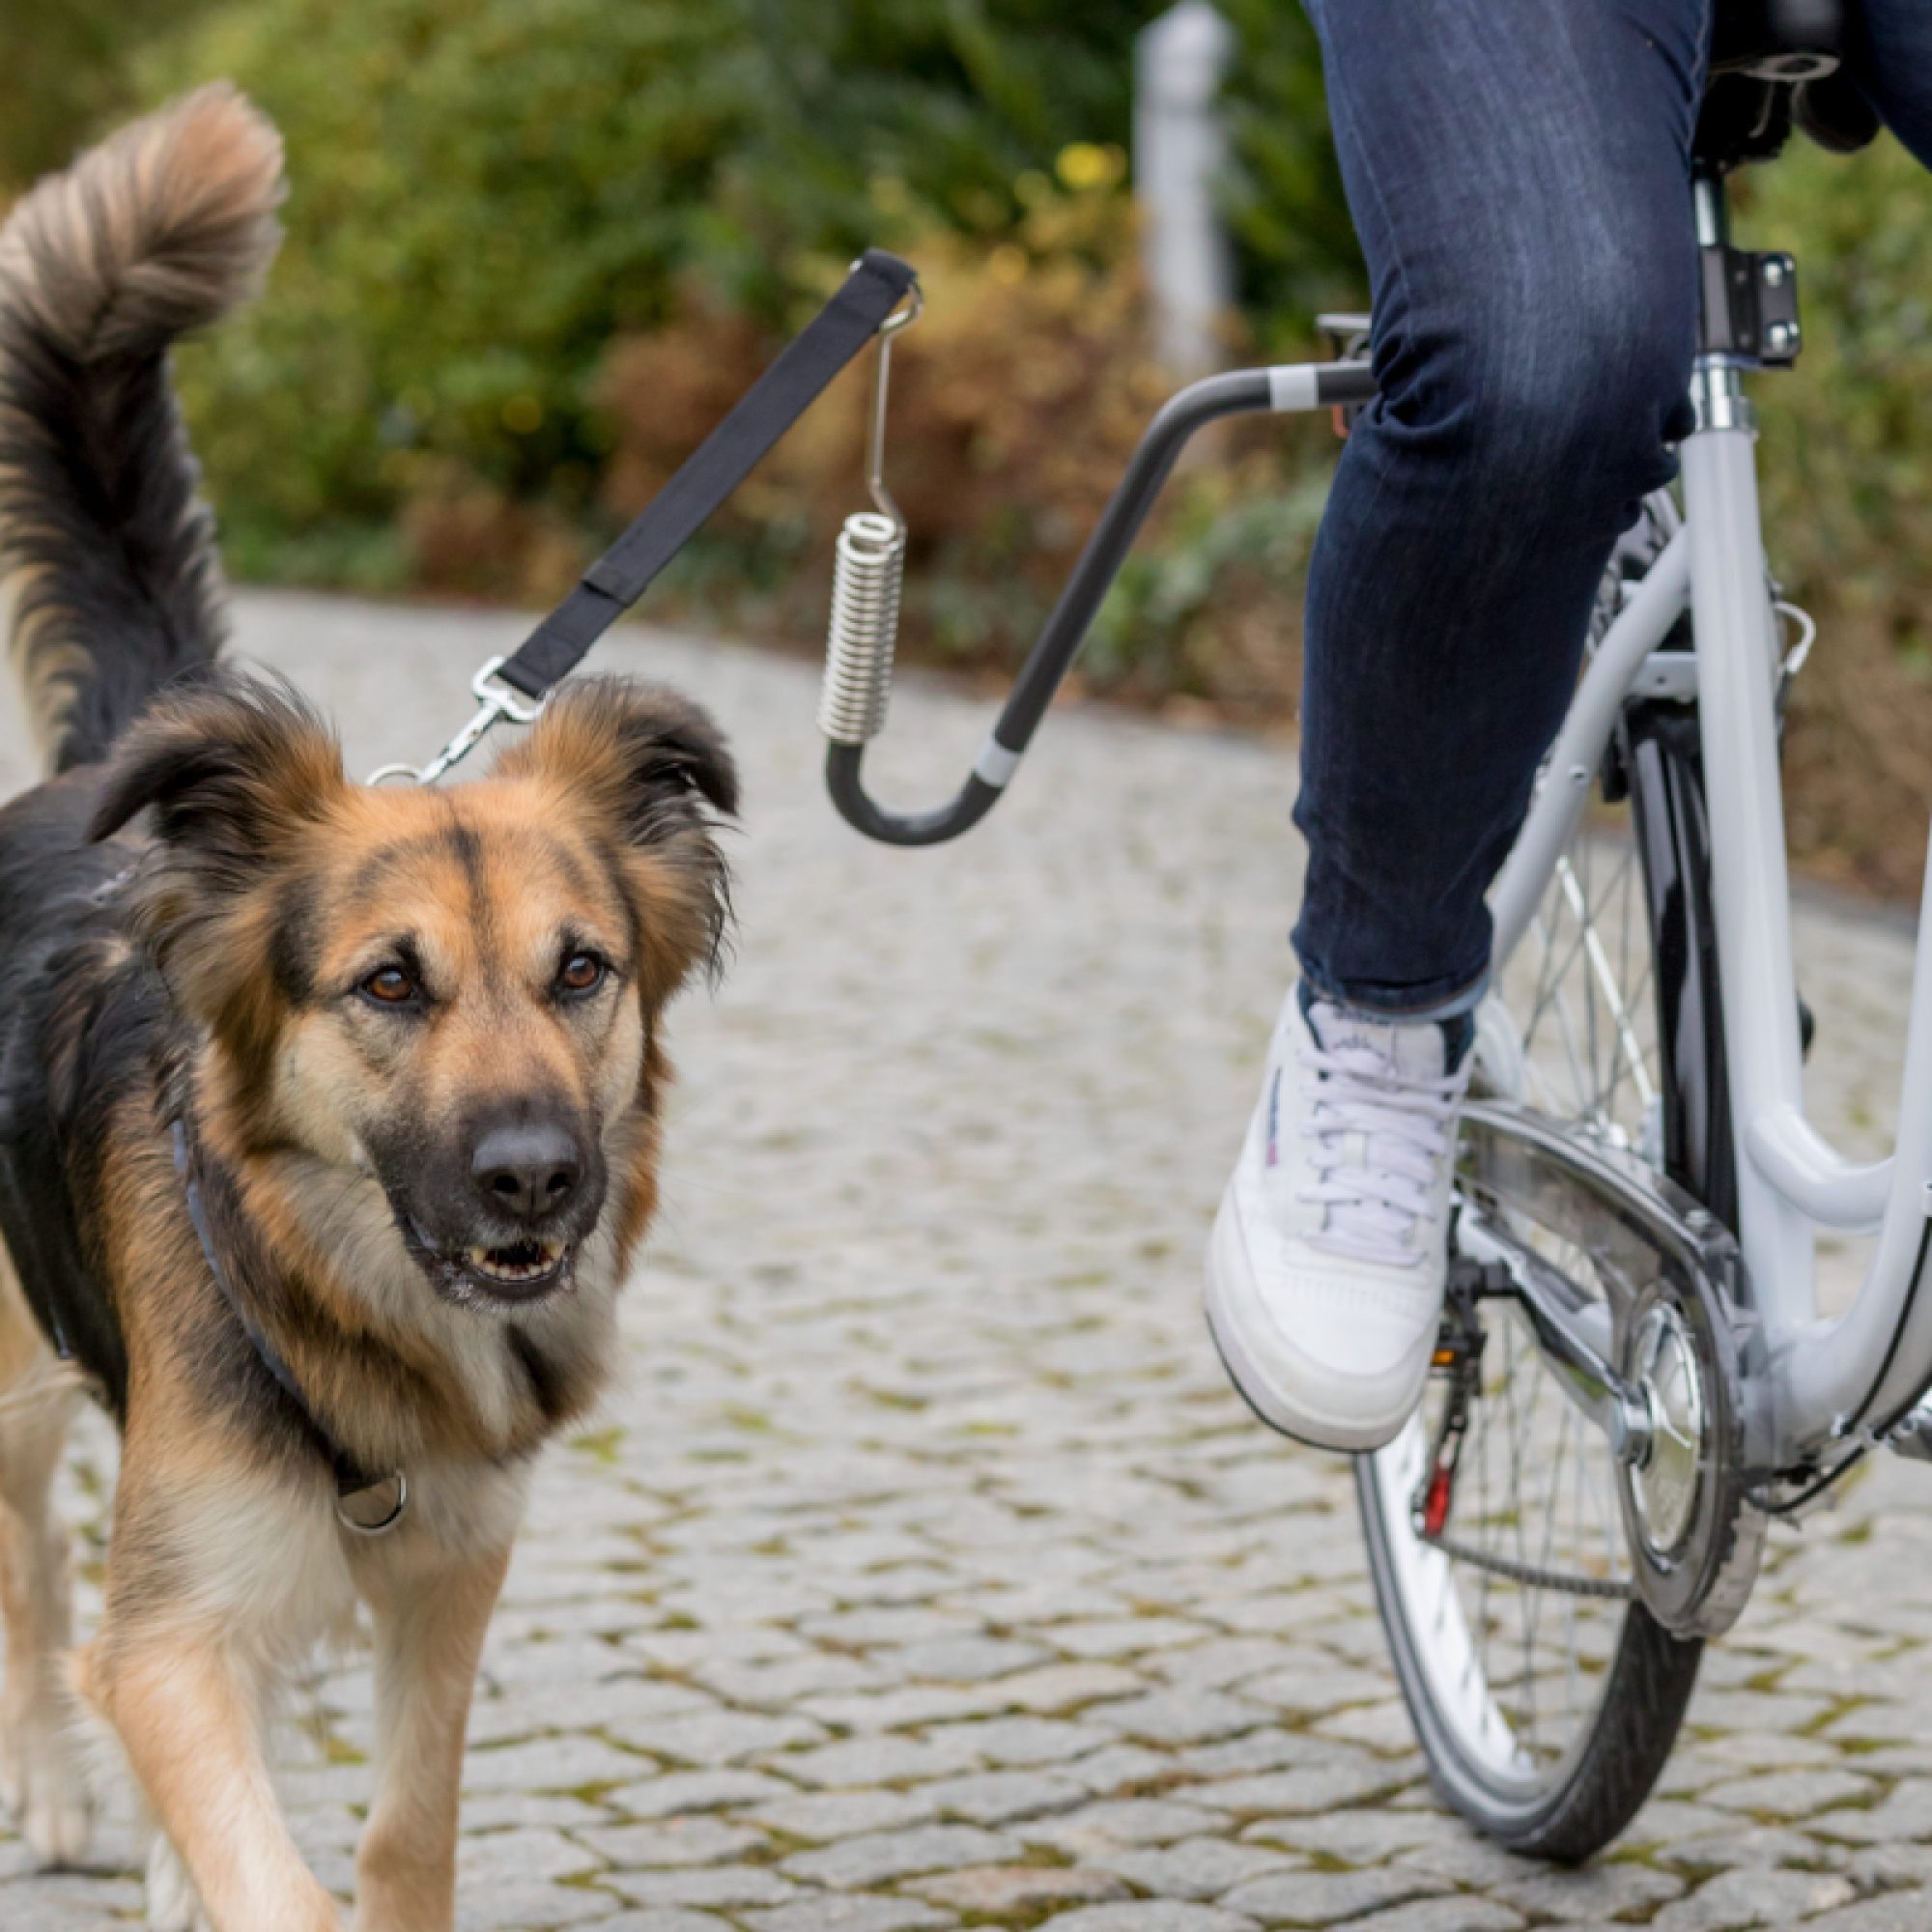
(1326, 1266)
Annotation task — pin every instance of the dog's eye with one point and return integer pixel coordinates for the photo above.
(389, 986)
(583, 973)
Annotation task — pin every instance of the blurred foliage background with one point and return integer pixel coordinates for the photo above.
(536, 247)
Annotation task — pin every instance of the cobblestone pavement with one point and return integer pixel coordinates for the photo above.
(925, 1571)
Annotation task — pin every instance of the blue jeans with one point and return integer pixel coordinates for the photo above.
(1518, 173)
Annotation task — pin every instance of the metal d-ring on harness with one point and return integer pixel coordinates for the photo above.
(871, 554)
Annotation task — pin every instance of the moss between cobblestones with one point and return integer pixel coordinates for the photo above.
(778, 1846)
(1839, 1707)
(1858, 1748)
(597, 1790)
(1866, 1802)
(895, 1398)
(603, 1444)
(1024, 1918)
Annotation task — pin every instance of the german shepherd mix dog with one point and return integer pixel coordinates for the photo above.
(328, 1115)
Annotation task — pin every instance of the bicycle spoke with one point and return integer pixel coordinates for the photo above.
(1538, 1504)
(1527, 1592)
(1603, 979)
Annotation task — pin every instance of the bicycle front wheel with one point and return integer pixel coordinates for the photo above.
(1545, 1696)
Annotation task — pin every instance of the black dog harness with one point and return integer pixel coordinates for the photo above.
(364, 1502)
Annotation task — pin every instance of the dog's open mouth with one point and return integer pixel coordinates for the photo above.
(484, 1273)
(523, 1268)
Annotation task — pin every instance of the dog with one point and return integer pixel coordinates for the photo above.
(329, 1115)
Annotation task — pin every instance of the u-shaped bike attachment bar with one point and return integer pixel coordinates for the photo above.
(871, 562)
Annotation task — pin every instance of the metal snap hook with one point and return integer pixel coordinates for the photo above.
(499, 700)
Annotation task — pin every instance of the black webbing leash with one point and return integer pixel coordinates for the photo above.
(515, 687)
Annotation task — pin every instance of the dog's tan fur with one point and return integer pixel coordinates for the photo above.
(228, 945)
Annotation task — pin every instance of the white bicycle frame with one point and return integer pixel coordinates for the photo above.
(1829, 1378)
(1826, 1379)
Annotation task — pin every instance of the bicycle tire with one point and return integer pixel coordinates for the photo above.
(1592, 1793)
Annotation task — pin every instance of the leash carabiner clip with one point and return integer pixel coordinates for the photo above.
(497, 702)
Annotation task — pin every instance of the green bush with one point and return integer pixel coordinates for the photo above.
(67, 75)
(1846, 460)
(488, 192)
(536, 245)
(1290, 220)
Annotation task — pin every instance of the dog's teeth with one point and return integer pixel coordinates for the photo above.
(548, 1254)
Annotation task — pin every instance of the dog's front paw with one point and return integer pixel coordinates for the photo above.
(44, 1787)
(173, 1903)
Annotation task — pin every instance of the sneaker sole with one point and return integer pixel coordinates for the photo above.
(1229, 1278)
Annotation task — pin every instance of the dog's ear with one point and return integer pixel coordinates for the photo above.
(653, 769)
(233, 771)
(652, 758)
(231, 768)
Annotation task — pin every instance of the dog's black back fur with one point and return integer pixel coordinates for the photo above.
(82, 1014)
(117, 594)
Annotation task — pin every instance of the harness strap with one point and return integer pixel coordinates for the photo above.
(877, 286)
(366, 1502)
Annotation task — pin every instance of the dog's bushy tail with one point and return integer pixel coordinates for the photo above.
(108, 553)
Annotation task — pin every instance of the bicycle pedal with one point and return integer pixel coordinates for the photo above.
(1470, 1281)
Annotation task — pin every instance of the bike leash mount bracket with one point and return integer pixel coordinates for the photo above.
(1750, 304)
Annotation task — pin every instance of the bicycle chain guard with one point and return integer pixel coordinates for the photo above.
(1667, 1383)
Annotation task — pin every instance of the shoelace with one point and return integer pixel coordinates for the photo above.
(1403, 1126)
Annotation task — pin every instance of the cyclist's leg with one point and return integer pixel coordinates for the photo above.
(1518, 172)
(1893, 64)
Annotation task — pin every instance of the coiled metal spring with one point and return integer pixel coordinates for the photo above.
(865, 578)
(858, 644)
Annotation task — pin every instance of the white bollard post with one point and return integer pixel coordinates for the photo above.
(1180, 149)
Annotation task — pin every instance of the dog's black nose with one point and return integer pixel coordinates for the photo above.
(529, 1171)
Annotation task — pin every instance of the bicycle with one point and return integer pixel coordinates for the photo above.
(1631, 1377)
